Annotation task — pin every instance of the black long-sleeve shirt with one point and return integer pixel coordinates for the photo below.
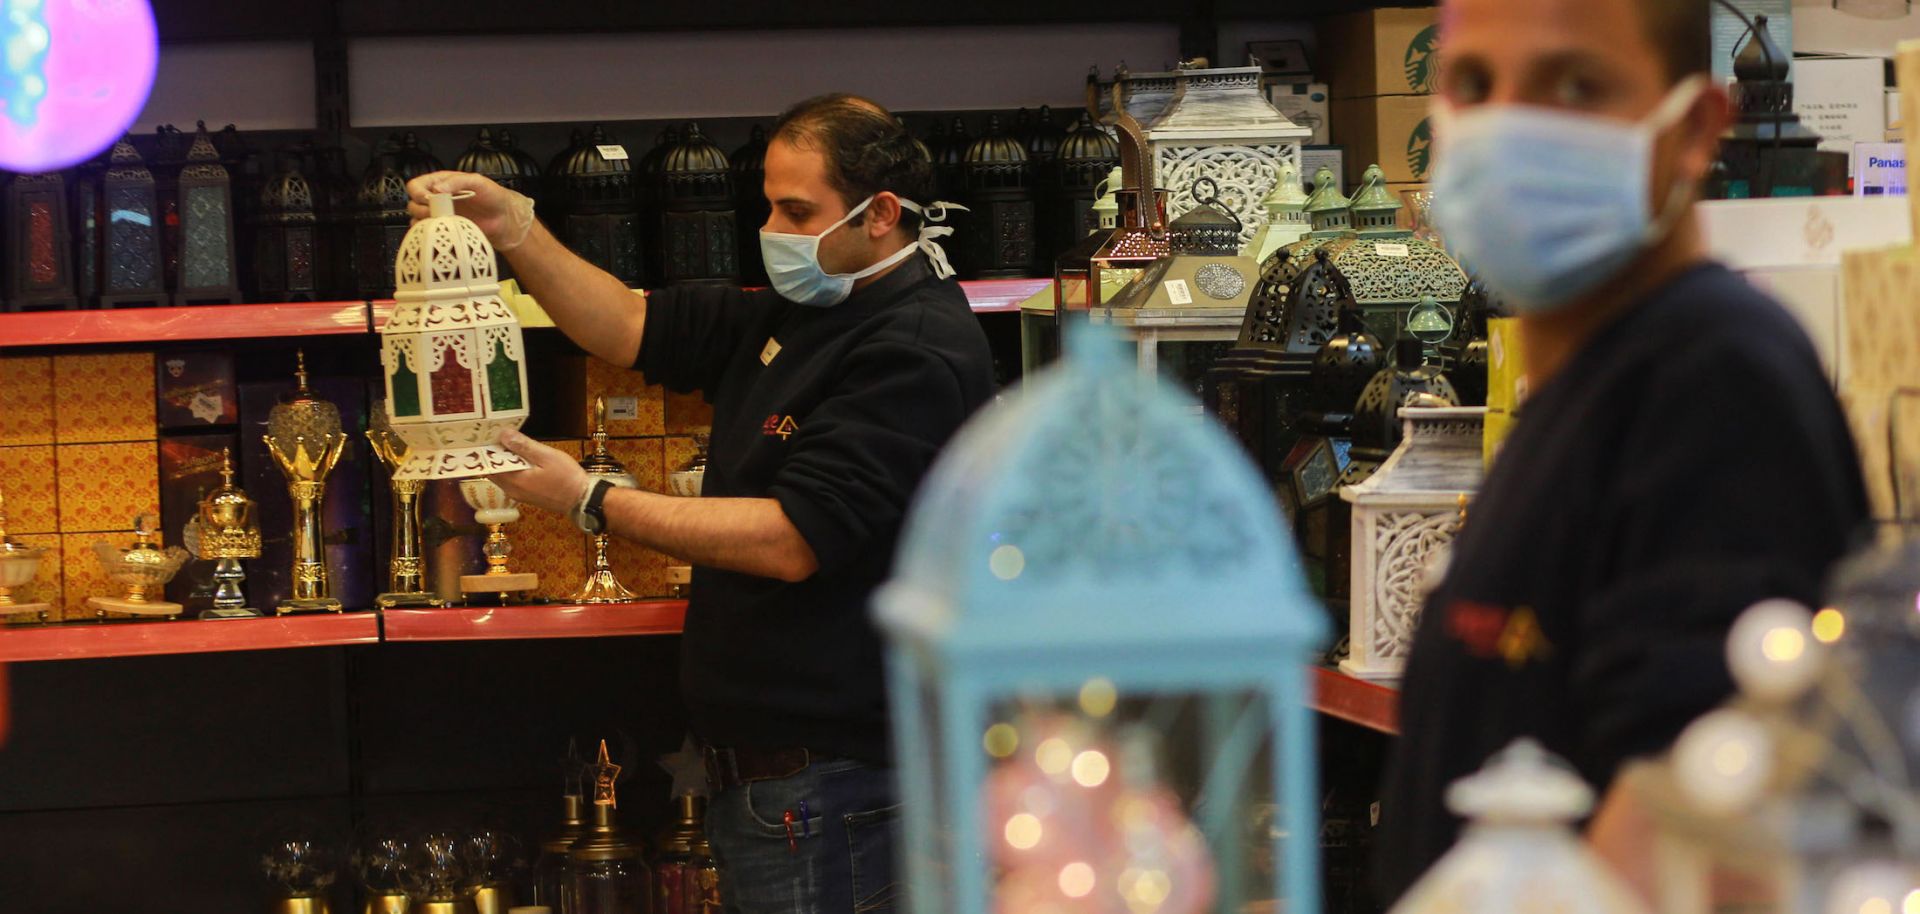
(836, 413)
(1688, 462)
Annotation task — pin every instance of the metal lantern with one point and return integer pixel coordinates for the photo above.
(484, 158)
(335, 201)
(950, 159)
(1465, 354)
(750, 204)
(1767, 152)
(1287, 219)
(88, 216)
(1031, 665)
(380, 224)
(1082, 161)
(1404, 520)
(286, 256)
(1140, 237)
(1376, 424)
(1219, 125)
(647, 191)
(698, 237)
(207, 274)
(999, 235)
(412, 159)
(455, 366)
(131, 272)
(39, 260)
(1043, 137)
(1197, 293)
(601, 217)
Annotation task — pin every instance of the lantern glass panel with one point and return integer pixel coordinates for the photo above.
(503, 374)
(405, 386)
(207, 244)
(131, 245)
(42, 266)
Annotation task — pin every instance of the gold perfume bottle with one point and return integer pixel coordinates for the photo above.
(224, 531)
(304, 437)
(601, 586)
(493, 508)
(406, 566)
(18, 564)
(141, 570)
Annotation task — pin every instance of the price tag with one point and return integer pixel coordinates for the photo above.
(1178, 293)
(1392, 250)
(623, 408)
(613, 152)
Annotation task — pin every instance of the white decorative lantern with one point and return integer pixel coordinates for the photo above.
(1221, 126)
(1404, 519)
(455, 367)
(1519, 851)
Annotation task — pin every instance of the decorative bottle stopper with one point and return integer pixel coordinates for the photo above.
(141, 570)
(18, 564)
(601, 586)
(304, 438)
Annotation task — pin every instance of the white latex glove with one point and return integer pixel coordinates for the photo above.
(505, 216)
(556, 482)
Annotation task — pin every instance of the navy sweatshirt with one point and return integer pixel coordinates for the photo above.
(836, 413)
(1688, 462)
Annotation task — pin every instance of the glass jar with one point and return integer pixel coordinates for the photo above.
(607, 874)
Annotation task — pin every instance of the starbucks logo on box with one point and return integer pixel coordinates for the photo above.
(1420, 148)
(1422, 63)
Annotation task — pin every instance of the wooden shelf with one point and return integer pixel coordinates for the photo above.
(199, 322)
(1370, 704)
(658, 617)
(88, 640)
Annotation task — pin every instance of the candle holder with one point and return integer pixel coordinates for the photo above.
(225, 532)
(18, 564)
(406, 565)
(492, 507)
(140, 569)
(304, 437)
(601, 586)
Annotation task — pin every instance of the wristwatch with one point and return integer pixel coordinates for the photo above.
(593, 511)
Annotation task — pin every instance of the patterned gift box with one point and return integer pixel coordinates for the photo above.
(634, 408)
(195, 390)
(45, 586)
(549, 544)
(26, 400)
(103, 487)
(643, 570)
(82, 575)
(687, 413)
(27, 480)
(99, 398)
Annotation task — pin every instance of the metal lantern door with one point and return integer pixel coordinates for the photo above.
(1122, 572)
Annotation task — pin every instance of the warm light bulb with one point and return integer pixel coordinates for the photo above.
(1053, 756)
(1024, 831)
(1724, 761)
(1876, 906)
(1770, 651)
(1076, 880)
(1829, 625)
(1098, 697)
(1911, 904)
(1145, 890)
(1783, 645)
(1002, 740)
(1090, 768)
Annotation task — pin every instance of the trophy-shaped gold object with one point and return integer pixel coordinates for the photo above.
(142, 569)
(601, 585)
(224, 531)
(18, 564)
(492, 507)
(406, 566)
(304, 437)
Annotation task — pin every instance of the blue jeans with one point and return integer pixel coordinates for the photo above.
(840, 859)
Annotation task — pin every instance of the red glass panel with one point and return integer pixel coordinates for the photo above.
(42, 269)
(452, 388)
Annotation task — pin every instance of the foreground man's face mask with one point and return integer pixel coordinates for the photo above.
(793, 261)
(1546, 205)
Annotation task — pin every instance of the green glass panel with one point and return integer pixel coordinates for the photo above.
(503, 379)
(406, 390)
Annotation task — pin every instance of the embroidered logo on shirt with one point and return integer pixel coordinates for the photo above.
(776, 424)
(1489, 632)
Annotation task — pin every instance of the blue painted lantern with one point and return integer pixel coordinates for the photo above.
(1089, 568)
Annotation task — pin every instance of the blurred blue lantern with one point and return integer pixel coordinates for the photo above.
(1088, 567)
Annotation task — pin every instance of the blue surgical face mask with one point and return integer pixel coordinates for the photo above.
(793, 261)
(1545, 205)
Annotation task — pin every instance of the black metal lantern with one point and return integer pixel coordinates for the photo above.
(1344, 366)
(207, 273)
(750, 204)
(601, 208)
(1376, 418)
(950, 160)
(89, 215)
(482, 157)
(1768, 152)
(697, 231)
(131, 272)
(1083, 159)
(999, 235)
(39, 260)
(1044, 137)
(335, 204)
(1465, 353)
(554, 184)
(413, 160)
(380, 224)
(286, 255)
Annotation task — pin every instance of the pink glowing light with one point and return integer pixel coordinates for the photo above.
(75, 96)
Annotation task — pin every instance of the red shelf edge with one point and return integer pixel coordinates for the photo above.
(83, 640)
(488, 623)
(1373, 705)
(199, 322)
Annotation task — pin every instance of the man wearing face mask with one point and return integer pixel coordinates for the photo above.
(1680, 457)
(831, 394)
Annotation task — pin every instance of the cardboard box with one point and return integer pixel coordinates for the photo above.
(195, 390)
(189, 469)
(1392, 131)
(1305, 104)
(1843, 99)
(1380, 52)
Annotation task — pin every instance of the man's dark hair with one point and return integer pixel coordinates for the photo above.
(1682, 31)
(867, 149)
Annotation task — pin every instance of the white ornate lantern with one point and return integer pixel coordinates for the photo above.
(1220, 125)
(1404, 520)
(452, 355)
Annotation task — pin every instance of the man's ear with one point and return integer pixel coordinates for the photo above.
(1706, 122)
(883, 214)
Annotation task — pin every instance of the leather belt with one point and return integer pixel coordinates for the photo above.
(729, 768)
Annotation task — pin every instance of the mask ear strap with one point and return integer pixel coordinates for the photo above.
(1671, 111)
(931, 233)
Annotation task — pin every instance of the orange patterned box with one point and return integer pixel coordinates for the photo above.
(103, 397)
(687, 413)
(103, 487)
(643, 570)
(45, 586)
(27, 482)
(550, 545)
(26, 400)
(678, 452)
(82, 576)
(644, 458)
(634, 407)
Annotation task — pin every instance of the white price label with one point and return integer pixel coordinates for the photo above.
(1392, 250)
(613, 152)
(623, 408)
(1178, 293)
